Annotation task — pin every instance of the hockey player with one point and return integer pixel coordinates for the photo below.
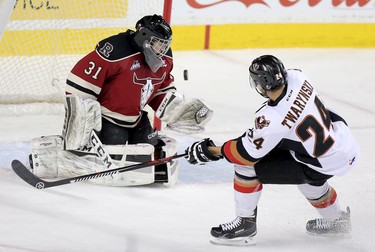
(107, 92)
(295, 139)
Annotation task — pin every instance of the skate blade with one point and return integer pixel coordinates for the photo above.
(242, 241)
(332, 235)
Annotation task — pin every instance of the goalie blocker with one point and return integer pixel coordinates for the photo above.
(50, 160)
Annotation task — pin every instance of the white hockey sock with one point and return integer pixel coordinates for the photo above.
(247, 191)
(323, 198)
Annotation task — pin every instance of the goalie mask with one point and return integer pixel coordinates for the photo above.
(153, 37)
(267, 73)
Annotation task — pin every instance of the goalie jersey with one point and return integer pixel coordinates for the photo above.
(299, 122)
(117, 76)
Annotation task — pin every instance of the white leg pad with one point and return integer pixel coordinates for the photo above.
(172, 171)
(51, 161)
(75, 165)
(135, 153)
(45, 154)
(170, 149)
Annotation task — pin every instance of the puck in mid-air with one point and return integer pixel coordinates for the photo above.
(186, 74)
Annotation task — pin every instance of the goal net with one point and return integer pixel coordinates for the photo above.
(42, 40)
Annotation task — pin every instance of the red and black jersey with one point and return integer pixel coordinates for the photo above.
(118, 77)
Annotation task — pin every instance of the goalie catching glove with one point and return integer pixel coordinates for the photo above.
(198, 152)
(184, 116)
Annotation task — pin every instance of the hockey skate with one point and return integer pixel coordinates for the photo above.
(337, 227)
(239, 232)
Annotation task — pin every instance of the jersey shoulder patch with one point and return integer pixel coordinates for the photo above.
(116, 47)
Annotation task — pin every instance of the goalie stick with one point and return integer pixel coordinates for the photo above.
(24, 173)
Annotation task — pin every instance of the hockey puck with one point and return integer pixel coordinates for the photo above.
(186, 74)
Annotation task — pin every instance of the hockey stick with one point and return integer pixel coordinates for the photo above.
(25, 174)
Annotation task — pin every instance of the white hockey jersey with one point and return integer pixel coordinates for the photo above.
(299, 122)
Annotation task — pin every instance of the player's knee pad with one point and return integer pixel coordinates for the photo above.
(313, 192)
(247, 171)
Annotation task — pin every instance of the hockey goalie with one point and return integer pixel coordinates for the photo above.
(106, 95)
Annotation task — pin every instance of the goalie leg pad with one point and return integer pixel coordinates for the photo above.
(81, 117)
(49, 160)
(169, 148)
(136, 153)
(130, 154)
(45, 152)
(172, 171)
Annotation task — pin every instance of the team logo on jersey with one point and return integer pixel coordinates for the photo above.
(136, 65)
(261, 122)
(106, 49)
(148, 86)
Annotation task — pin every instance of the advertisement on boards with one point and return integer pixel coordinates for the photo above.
(198, 12)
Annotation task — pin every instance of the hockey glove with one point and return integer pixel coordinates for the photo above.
(181, 115)
(198, 152)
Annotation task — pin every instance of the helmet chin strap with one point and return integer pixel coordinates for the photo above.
(152, 60)
(264, 93)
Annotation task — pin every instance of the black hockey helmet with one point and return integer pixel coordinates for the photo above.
(268, 72)
(153, 28)
(157, 25)
(153, 37)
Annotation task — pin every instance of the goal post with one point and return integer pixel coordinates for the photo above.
(42, 40)
(167, 11)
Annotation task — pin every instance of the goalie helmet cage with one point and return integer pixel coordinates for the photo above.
(42, 40)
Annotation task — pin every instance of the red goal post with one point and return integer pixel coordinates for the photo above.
(167, 17)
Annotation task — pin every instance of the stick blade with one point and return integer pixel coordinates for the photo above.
(25, 174)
